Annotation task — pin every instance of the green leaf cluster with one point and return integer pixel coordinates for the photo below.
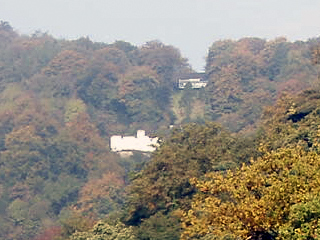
(105, 231)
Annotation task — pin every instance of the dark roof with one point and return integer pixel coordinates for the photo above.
(202, 76)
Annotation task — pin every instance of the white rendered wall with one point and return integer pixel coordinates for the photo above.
(130, 143)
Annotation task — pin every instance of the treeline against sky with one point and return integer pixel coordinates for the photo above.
(61, 100)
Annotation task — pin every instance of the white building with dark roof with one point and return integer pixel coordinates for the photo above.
(197, 80)
(131, 143)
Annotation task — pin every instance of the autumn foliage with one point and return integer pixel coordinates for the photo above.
(252, 174)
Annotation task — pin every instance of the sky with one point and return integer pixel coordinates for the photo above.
(190, 25)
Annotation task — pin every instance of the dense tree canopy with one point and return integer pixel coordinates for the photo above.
(163, 186)
(61, 100)
(248, 74)
(276, 196)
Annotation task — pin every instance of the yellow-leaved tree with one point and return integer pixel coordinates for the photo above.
(276, 197)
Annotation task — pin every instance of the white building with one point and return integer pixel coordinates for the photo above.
(197, 80)
(139, 143)
(195, 83)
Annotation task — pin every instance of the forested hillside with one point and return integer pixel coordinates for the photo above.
(276, 196)
(59, 103)
(251, 173)
(250, 73)
(204, 183)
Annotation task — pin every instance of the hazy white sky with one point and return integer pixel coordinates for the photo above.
(190, 25)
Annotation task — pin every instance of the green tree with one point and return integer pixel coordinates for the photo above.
(159, 226)
(191, 151)
(103, 230)
(138, 93)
